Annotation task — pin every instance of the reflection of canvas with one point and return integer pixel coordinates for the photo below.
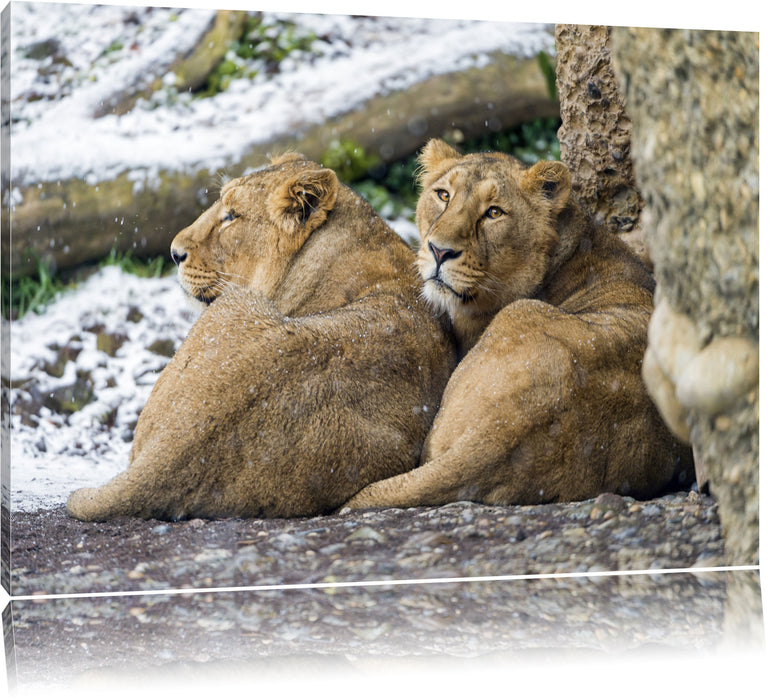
(287, 634)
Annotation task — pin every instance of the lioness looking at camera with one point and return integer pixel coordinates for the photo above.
(315, 368)
(551, 312)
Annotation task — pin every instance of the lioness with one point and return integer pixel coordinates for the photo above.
(315, 369)
(548, 403)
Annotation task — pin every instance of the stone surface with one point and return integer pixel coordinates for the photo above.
(595, 136)
(694, 100)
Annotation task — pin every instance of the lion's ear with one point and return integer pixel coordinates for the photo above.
(436, 157)
(287, 157)
(551, 180)
(302, 203)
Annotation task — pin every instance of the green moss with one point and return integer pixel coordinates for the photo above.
(260, 50)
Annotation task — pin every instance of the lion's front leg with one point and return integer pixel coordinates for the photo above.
(453, 477)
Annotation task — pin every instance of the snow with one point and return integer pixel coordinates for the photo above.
(64, 452)
(360, 58)
(55, 136)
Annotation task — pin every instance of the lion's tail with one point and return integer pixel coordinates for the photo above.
(120, 496)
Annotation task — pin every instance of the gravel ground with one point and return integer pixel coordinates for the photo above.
(382, 596)
(54, 554)
(334, 627)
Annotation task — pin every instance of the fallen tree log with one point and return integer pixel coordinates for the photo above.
(191, 67)
(71, 221)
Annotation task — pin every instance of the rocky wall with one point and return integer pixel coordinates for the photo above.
(595, 136)
(693, 97)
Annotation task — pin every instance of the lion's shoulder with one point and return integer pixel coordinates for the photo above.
(602, 271)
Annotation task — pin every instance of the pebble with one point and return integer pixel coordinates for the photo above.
(212, 555)
(366, 533)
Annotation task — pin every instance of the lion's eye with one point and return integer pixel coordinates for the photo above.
(494, 213)
(230, 216)
(444, 195)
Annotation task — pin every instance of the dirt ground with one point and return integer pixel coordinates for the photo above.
(462, 581)
(52, 553)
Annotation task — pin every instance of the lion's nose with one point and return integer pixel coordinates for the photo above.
(442, 254)
(177, 256)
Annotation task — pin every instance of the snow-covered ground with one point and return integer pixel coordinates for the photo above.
(95, 51)
(104, 329)
(103, 48)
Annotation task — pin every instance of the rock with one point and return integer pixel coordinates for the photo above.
(366, 534)
(209, 555)
(612, 502)
(694, 102)
(73, 397)
(693, 97)
(134, 314)
(68, 353)
(673, 339)
(663, 393)
(163, 346)
(109, 343)
(45, 49)
(724, 371)
(673, 344)
(595, 133)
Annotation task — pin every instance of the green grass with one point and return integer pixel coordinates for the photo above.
(36, 291)
(30, 293)
(138, 266)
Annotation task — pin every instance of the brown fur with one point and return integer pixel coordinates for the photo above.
(548, 403)
(316, 369)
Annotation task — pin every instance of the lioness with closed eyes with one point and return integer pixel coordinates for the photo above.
(550, 313)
